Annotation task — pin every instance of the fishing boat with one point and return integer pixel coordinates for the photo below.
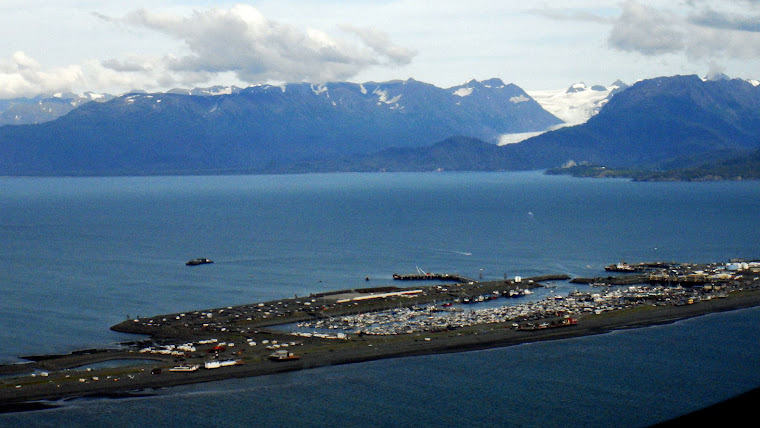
(199, 261)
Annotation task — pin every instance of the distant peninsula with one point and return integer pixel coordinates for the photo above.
(735, 168)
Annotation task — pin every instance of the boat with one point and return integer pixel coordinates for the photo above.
(199, 261)
(620, 267)
(217, 364)
(283, 355)
(211, 365)
(185, 368)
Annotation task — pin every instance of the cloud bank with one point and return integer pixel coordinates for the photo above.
(240, 40)
(21, 75)
(152, 50)
(700, 31)
(237, 43)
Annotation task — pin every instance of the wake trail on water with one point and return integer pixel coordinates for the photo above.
(461, 253)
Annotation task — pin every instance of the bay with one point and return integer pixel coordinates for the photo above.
(81, 254)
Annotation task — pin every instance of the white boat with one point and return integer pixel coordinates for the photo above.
(212, 365)
(185, 368)
(217, 364)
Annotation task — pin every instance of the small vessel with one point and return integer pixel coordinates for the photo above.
(620, 267)
(283, 355)
(185, 368)
(199, 261)
(217, 364)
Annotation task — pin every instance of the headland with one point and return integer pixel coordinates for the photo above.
(351, 326)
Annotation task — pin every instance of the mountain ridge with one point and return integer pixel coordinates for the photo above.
(660, 120)
(664, 123)
(260, 126)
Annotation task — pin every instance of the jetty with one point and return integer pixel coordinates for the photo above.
(638, 267)
(431, 276)
(421, 275)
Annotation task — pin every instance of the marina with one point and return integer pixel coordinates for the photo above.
(392, 311)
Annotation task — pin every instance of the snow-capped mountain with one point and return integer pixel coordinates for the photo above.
(577, 103)
(574, 105)
(210, 91)
(663, 122)
(44, 108)
(263, 126)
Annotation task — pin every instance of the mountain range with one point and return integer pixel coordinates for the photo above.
(263, 127)
(579, 102)
(665, 123)
(662, 124)
(44, 108)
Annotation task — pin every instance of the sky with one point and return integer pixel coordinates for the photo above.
(116, 46)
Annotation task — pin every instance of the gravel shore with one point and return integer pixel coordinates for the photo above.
(50, 383)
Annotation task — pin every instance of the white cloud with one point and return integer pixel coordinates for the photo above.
(571, 15)
(177, 47)
(91, 45)
(22, 75)
(380, 43)
(726, 20)
(701, 31)
(242, 41)
(647, 30)
(519, 99)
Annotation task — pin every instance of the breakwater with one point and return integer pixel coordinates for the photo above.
(424, 276)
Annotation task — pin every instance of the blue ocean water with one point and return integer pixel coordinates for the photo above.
(81, 254)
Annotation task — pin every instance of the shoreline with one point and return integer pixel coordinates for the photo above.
(40, 393)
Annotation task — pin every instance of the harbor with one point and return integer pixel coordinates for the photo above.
(345, 326)
(390, 310)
